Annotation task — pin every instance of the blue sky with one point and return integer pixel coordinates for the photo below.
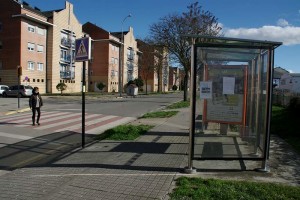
(274, 20)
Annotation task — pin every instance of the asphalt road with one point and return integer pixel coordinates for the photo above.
(60, 132)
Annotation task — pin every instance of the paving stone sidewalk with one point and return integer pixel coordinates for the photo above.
(142, 169)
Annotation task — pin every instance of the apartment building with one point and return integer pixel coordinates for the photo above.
(154, 68)
(23, 42)
(130, 55)
(61, 65)
(105, 62)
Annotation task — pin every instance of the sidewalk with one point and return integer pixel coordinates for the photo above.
(142, 169)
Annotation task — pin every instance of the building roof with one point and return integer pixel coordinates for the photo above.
(119, 34)
(50, 12)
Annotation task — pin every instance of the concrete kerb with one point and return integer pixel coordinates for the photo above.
(17, 111)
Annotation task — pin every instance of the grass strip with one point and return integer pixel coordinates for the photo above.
(198, 188)
(160, 114)
(180, 104)
(124, 132)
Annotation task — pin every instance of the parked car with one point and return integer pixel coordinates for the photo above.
(3, 88)
(25, 91)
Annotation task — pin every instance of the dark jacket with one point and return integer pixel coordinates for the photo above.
(33, 100)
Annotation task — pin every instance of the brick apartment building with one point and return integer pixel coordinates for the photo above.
(42, 43)
(104, 65)
(61, 65)
(23, 39)
(130, 56)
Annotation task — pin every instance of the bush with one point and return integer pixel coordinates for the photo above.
(294, 105)
(61, 87)
(101, 86)
(174, 87)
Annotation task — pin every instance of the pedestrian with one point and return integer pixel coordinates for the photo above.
(35, 104)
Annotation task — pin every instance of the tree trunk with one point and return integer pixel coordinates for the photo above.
(158, 83)
(146, 86)
(185, 85)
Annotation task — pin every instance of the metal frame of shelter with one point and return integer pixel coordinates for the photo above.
(259, 58)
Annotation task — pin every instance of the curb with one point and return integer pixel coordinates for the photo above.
(17, 111)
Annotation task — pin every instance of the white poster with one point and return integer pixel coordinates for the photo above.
(228, 85)
(205, 90)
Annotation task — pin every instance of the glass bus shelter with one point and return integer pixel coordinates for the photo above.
(231, 87)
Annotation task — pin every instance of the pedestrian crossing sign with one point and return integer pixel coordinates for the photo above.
(83, 49)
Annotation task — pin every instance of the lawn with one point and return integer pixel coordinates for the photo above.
(124, 132)
(160, 114)
(198, 188)
(180, 104)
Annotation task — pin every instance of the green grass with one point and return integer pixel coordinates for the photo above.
(285, 123)
(124, 132)
(160, 114)
(198, 188)
(180, 104)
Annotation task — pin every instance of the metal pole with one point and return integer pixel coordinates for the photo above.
(121, 59)
(83, 105)
(18, 91)
(189, 168)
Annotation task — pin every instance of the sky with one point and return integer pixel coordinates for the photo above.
(272, 20)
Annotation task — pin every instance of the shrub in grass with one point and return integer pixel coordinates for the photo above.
(124, 132)
(160, 114)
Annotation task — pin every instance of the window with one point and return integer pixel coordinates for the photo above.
(30, 46)
(40, 31)
(112, 60)
(116, 61)
(31, 65)
(40, 48)
(31, 28)
(63, 54)
(40, 66)
(0, 44)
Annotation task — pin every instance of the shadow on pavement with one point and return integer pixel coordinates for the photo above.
(39, 150)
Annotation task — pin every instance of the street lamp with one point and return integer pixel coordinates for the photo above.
(121, 59)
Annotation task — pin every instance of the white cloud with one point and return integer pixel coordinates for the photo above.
(289, 35)
(283, 23)
(291, 71)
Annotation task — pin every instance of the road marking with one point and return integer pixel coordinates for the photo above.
(72, 119)
(63, 175)
(77, 126)
(112, 124)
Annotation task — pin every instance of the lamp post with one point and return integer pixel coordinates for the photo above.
(121, 59)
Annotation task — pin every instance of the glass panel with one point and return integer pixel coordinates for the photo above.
(231, 103)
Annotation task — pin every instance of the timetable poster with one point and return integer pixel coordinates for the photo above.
(227, 104)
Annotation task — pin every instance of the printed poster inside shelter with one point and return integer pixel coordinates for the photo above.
(227, 103)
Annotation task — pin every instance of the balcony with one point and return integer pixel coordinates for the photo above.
(67, 42)
(67, 59)
(67, 75)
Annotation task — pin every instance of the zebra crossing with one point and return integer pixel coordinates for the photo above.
(56, 121)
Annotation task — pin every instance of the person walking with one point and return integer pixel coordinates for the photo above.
(35, 104)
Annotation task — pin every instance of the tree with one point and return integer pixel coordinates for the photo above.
(172, 29)
(101, 86)
(139, 82)
(61, 87)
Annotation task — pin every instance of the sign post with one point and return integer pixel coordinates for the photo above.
(83, 53)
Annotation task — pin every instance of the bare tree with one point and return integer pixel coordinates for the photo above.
(170, 31)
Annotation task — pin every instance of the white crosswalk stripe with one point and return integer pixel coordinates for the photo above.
(65, 121)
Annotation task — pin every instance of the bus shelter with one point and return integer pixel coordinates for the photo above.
(231, 87)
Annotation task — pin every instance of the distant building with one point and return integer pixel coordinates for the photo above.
(154, 68)
(174, 77)
(290, 82)
(104, 65)
(278, 72)
(23, 42)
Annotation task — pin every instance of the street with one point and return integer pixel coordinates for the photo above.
(61, 124)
